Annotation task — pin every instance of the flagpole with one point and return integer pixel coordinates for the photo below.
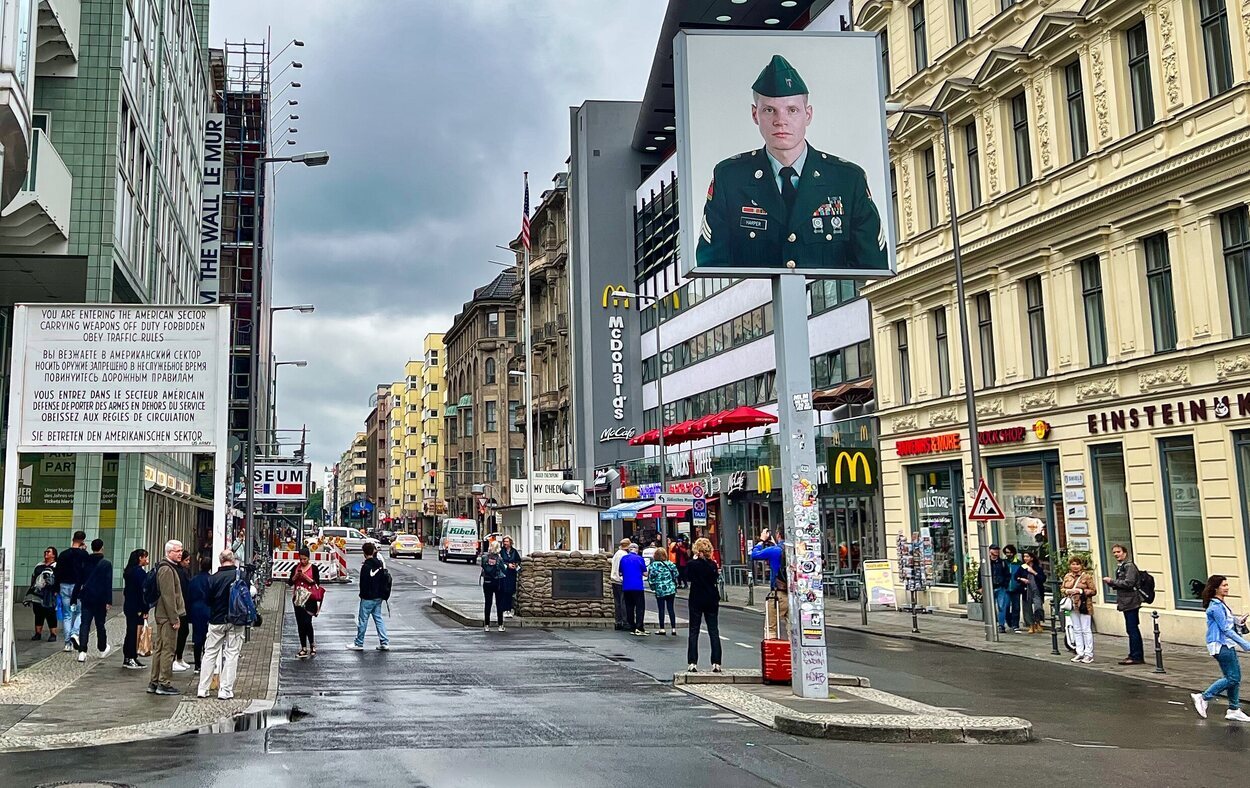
(527, 538)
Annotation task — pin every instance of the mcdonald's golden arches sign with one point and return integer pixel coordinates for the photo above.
(852, 471)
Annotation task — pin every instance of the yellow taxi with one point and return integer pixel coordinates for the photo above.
(407, 545)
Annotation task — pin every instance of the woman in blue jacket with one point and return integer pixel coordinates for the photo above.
(198, 610)
(1222, 640)
(134, 606)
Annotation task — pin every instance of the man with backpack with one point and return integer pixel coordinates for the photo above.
(375, 590)
(94, 596)
(231, 612)
(162, 592)
(1128, 601)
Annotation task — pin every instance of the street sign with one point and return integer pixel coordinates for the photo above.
(698, 522)
(673, 499)
(697, 491)
(281, 482)
(985, 506)
(699, 508)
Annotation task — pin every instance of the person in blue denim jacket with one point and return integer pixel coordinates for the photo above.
(1222, 641)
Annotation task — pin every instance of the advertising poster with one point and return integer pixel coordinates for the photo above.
(782, 137)
(45, 491)
(879, 581)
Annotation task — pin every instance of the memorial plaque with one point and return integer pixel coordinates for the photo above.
(576, 584)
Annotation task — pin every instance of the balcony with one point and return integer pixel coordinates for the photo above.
(56, 50)
(37, 221)
(550, 332)
(562, 324)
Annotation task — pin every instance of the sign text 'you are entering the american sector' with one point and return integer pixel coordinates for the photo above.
(105, 376)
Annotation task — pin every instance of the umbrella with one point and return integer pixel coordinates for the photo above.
(648, 438)
(856, 393)
(741, 418)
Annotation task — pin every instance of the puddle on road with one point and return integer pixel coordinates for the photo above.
(252, 721)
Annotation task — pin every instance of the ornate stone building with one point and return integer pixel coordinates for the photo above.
(1102, 166)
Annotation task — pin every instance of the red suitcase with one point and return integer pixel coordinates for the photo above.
(775, 651)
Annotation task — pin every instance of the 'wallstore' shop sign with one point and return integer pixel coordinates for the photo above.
(1168, 414)
(931, 445)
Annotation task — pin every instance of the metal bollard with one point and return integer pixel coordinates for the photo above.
(863, 596)
(1054, 618)
(915, 625)
(751, 589)
(1154, 615)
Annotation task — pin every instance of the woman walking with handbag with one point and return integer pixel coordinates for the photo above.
(306, 596)
(1078, 589)
(43, 595)
(1224, 632)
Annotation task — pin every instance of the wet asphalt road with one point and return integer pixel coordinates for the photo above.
(454, 706)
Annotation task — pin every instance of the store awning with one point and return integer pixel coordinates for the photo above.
(624, 511)
(652, 512)
(466, 401)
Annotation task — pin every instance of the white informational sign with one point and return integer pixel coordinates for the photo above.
(1077, 511)
(674, 499)
(113, 378)
(281, 482)
(1074, 478)
(132, 379)
(547, 489)
(210, 208)
(1077, 528)
(1074, 495)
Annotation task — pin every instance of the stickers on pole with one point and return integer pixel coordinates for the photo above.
(985, 505)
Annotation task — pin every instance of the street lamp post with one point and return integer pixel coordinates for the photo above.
(527, 535)
(991, 616)
(312, 159)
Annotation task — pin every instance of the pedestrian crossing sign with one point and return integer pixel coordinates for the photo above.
(984, 505)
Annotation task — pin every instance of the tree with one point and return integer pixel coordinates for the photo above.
(316, 508)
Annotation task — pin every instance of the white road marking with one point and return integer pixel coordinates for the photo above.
(744, 645)
(722, 637)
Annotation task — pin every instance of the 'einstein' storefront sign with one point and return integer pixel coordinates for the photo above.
(1168, 414)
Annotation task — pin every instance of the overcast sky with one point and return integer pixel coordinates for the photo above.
(431, 110)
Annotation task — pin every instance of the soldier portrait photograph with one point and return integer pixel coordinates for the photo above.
(789, 204)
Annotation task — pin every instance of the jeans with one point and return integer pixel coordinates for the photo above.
(618, 606)
(1002, 600)
(636, 607)
(371, 608)
(130, 645)
(697, 616)
(1013, 609)
(72, 613)
(662, 603)
(93, 614)
(1230, 684)
(221, 655)
(1132, 626)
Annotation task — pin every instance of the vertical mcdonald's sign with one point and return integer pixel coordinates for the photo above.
(614, 297)
(764, 479)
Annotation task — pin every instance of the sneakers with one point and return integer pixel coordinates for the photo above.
(167, 689)
(637, 633)
(201, 695)
(1200, 704)
(355, 647)
(1131, 661)
(486, 628)
(152, 688)
(386, 647)
(52, 638)
(82, 656)
(180, 666)
(68, 648)
(37, 636)
(73, 639)
(715, 668)
(1236, 715)
(1018, 631)
(1077, 658)
(1087, 659)
(105, 653)
(692, 668)
(672, 633)
(225, 696)
(501, 627)
(132, 664)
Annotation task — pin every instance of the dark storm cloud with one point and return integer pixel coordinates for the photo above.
(431, 111)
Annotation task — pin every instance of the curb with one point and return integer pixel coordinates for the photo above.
(905, 729)
(527, 622)
(752, 676)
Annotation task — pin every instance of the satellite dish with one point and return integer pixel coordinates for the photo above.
(236, 449)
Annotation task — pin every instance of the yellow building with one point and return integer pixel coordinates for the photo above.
(430, 406)
(352, 467)
(395, 460)
(1102, 167)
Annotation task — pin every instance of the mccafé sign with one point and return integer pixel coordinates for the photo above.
(932, 445)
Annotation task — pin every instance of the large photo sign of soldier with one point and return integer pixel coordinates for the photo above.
(782, 156)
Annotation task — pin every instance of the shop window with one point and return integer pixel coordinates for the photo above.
(1184, 516)
(937, 506)
(1159, 283)
(1139, 76)
(1243, 475)
(1022, 492)
(1110, 484)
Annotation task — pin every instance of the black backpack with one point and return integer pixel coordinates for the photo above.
(1145, 586)
(151, 589)
(384, 584)
(492, 568)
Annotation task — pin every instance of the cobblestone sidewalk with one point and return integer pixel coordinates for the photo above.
(52, 704)
(1187, 667)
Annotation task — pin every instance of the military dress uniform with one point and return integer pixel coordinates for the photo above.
(831, 222)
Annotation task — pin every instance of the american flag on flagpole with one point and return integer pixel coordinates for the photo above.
(525, 216)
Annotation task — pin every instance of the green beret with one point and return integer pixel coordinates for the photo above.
(779, 79)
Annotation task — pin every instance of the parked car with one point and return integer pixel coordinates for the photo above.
(353, 537)
(407, 545)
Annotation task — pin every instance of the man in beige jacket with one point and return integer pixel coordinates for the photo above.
(169, 608)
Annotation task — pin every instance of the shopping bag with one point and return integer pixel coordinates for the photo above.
(144, 643)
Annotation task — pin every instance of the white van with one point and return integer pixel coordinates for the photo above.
(459, 539)
(355, 538)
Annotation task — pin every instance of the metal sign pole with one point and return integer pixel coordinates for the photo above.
(12, 464)
(801, 512)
